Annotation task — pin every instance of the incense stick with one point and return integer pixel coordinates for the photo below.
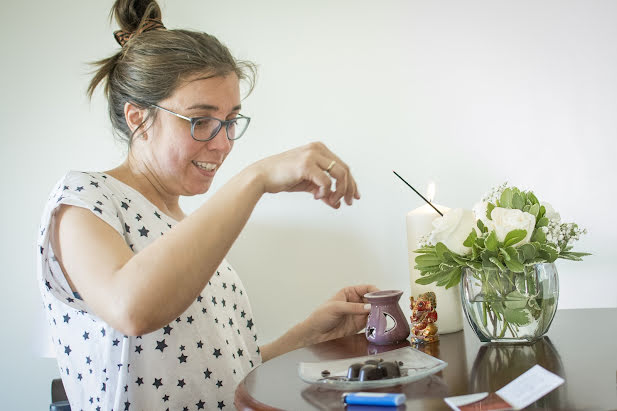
(416, 191)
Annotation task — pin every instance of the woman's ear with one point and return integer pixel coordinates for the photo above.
(135, 118)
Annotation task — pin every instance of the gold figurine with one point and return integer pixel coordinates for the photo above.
(423, 317)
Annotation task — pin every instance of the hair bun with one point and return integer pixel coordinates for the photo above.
(131, 14)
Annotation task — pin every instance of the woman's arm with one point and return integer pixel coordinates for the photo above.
(343, 314)
(139, 293)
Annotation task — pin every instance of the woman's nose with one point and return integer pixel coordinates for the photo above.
(220, 142)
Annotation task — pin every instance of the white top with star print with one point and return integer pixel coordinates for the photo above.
(194, 362)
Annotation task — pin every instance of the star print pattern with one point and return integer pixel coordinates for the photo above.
(194, 362)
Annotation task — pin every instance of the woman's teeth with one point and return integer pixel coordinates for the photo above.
(205, 166)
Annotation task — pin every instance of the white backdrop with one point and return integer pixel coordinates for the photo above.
(468, 94)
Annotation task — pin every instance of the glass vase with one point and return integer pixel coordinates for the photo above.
(504, 306)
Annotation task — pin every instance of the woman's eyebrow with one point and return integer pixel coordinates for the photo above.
(210, 107)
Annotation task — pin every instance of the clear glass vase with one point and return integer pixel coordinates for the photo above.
(504, 306)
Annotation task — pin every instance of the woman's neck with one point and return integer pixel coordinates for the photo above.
(143, 180)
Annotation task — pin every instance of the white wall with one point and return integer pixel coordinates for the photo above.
(468, 94)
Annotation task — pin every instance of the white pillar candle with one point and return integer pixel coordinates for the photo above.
(449, 308)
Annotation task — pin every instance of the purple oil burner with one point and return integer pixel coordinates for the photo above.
(386, 322)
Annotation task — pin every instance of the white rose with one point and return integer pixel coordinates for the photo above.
(453, 229)
(505, 220)
(551, 214)
(479, 210)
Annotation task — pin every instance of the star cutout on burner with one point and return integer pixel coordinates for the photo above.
(189, 319)
(167, 329)
(200, 405)
(139, 381)
(240, 352)
(143, 232)
(207, 373)
(221, 405)
(138, 349)
(182, 358)
(157, 215)
(124, 205)
(66, 318)
(165, 398)
(98, 210)
(181, 383)
(157, 382)
(242, 314)
(94, 183)
(116, 342)
(67, 349)
(200, 344)
(249, 324)
(78, 189)
(217, 352)
(219, 383)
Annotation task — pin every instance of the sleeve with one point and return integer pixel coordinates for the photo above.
(86, 190)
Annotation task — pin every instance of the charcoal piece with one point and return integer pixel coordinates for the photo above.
(389, 369)
(370, 372)
(353, 372)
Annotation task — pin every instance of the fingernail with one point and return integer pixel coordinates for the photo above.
(367, 306)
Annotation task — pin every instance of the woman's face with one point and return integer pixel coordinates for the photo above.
(180, 164)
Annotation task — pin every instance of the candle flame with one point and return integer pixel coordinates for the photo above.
(430, 191)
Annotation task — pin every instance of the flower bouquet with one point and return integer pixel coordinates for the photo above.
(502, 254)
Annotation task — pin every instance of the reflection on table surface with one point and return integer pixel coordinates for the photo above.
(587, 363)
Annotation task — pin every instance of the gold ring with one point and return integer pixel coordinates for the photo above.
(330, 166)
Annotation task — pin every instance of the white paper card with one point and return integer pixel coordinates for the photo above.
(529, 387)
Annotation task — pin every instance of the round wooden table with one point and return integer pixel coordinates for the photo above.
(581, 347)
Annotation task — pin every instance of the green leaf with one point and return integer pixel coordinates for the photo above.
(440, 250)
(505, 200)
(455, 277)
(430, 278)
(528, 251)
(505, 254)
(489, 210)
(538, 236)
(534, 210)
(491, 241)
(518, 317)
(532, 197)
(425, 250)
(518, 201)
(481, 226)
(470, 238)
(514, 237)
(542, 211)
(515, 266)
(427, 260)
(498, 263)
(515, 300)
(542, 222)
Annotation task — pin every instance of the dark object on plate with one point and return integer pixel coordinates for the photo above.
(325, 373)
(389, 369)
(370, 372)
(353, 372)
(374, 362)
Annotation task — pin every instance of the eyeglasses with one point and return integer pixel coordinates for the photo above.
(206, 128)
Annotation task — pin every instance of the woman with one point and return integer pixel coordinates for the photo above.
(146, 313)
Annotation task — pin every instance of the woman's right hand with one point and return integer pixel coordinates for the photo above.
(306, 169)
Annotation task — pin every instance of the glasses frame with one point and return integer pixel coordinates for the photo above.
(194, 120)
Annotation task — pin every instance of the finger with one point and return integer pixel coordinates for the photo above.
(339, 171)
(345, 308)
(322, 182)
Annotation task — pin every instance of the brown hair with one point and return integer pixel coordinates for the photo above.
(152, 64)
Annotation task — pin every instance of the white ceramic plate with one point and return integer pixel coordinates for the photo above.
(416, 365)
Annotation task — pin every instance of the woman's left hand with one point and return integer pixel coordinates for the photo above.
(343, 314)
